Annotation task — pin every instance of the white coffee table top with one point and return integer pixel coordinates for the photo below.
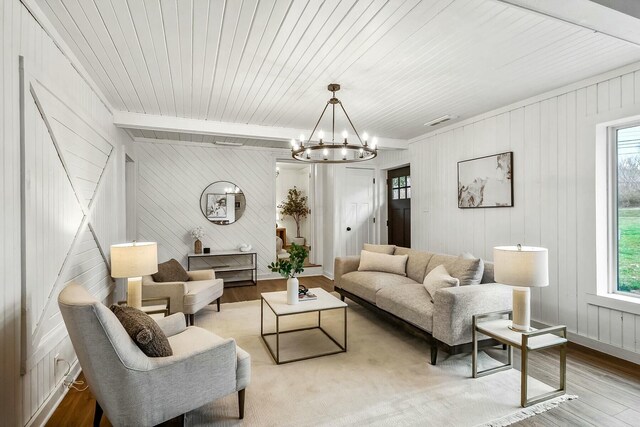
(278, 302)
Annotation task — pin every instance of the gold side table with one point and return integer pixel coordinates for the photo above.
(496, 326)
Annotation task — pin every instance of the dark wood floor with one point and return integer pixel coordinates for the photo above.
(608, 388)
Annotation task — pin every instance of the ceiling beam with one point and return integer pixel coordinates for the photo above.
(128, 120)
(615, 18)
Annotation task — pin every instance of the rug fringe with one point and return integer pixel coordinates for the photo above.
(529, 412)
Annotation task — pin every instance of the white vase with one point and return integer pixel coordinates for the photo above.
(292, 291)
(298, 240)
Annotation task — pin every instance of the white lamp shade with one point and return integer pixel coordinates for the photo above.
(134, 259)
(525, 266)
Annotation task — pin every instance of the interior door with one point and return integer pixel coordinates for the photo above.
(399, 202)
(357, 218)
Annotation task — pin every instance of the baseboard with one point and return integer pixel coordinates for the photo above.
(596, 345)
(328, 274)
(46, 410)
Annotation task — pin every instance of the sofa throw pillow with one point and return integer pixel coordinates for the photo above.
(468, 271)
(479, 269)
(170, 271)
(383, 249)
(374, 261)
(439, 278)
(144, 331)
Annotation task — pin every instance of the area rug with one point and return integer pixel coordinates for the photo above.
(384, 378)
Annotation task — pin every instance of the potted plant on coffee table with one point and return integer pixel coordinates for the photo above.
(296, 207)
(289, 268)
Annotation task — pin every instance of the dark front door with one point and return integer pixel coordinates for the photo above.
(399, 214)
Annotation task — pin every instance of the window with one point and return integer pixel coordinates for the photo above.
(401, 187)
(627, 209)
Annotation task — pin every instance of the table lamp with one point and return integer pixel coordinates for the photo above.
(522, 267)
(131, 261)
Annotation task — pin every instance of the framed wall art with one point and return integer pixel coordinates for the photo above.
(486, 182)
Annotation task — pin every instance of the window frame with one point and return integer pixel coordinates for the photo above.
(613, 247)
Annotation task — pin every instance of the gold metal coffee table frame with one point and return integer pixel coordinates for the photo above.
(275, 353)
(527, 342)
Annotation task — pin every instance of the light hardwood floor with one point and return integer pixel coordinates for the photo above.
(608, 388)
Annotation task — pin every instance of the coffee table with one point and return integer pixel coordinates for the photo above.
(277, 302)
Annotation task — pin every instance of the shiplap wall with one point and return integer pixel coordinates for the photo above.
(90, 151)
(553, 140)
(171, 178)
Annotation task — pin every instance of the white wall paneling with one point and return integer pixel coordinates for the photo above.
(553, 140)
(73, 208)
(171, 178)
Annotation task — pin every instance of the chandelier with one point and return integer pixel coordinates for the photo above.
(334, 151)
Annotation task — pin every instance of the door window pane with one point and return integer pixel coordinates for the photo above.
(408, 192)
(403, 193)
(403, 181)
(394, 194)
(394, 182)
(408, 181)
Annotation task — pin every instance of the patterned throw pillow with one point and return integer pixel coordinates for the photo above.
(171, 271)
(144, 331)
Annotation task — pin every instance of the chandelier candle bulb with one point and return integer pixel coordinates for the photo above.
(321, 136)
(293, 142)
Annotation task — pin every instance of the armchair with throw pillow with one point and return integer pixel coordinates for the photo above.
(135, 389)
(188, 291)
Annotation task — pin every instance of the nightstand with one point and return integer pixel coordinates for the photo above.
(161, 306)
(496, 326)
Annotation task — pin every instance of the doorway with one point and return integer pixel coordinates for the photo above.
(301, 176)
(399, 206)
(358, 209)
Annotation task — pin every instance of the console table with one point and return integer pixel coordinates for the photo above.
(220, 266)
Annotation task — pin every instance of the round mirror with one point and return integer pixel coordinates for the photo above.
(222, 202)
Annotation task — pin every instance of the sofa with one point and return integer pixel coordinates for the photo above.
(188, 297)
(445, 321)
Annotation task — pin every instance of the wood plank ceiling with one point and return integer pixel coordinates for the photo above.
(401, 63)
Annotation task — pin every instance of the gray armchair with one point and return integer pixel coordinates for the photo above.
(137, 390)
(186, 297)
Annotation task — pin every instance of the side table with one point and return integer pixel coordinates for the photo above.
(162, 306)
(497, 327)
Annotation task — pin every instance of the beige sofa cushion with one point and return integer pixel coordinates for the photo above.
(375, 261)
(383, 249)
(468, 271)
(410, 302)
(417, 262)
(439, 278)
(366, 284)
(487, 274)
(201, 293)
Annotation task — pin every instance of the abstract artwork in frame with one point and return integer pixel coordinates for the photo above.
(486, 182)
(216, 206)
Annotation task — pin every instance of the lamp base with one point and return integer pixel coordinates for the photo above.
(514, 328)
(521, 309)
(134, 292)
